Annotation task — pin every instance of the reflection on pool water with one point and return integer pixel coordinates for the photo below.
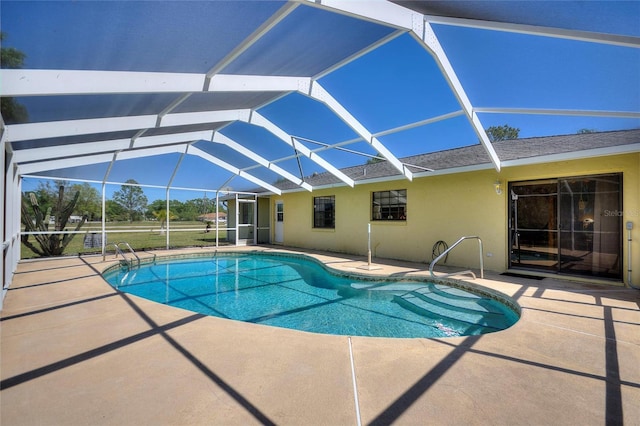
(297, 292)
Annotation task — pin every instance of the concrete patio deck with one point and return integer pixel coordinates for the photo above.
(77, 352)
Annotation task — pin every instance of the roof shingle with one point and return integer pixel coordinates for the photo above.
(475, 155)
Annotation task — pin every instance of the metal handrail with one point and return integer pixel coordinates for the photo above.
(118, 250)
(444, 253)
(131, 250)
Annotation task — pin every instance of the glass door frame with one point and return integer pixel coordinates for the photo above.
(543, 240)
(246, 233)
(588, 235)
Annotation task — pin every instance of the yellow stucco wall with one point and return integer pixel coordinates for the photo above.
(446, 207)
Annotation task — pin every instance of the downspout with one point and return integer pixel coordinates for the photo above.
(629, 227)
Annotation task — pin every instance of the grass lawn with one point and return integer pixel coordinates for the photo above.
(141, 236)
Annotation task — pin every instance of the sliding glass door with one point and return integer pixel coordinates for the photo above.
(534, 224)
(569, 225)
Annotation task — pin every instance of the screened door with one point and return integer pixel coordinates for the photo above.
(569, 225)
(246, 221)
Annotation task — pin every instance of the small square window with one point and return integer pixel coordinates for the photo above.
(389, 205)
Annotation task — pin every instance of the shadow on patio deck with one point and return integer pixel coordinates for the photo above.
(76, 351)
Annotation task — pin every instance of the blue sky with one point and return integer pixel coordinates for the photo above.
(397, 84)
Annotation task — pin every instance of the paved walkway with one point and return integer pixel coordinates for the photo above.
(76, 352)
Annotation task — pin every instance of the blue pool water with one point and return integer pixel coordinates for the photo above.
(298, 293)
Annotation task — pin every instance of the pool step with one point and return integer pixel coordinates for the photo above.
(397, 288)
(421, 287)
(454, 316)
(442, 320)
(476, 305)
(453, 292)
(460, 309)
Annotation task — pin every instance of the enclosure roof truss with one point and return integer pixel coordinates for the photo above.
(243, 87)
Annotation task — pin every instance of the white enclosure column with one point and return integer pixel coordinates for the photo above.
(255, 219)
(217, 217)
(104, 221)
(3, 228)
(10, 219)
(237, 224)
(167, 218)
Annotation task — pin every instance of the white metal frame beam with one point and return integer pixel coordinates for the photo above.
(106, 157)
(416, 23)
(107, 146)
(319, 93)
(562, 112)
(280, 15)
(587, 36)
(44, 155)
(234, 170)
(53, 129)
(391, 14)
(38, 167)
(78, 127)
(42, 166)
(222, 139)
(432, 44)
(122, 146)
(259, 120)
(33, 82)
(48, 153)
(86, 150)
(267, 26)
(19, 82)
(379, 11)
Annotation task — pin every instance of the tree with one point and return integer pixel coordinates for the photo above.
(584, 131)
(155, 206)
(189, 212)
(501, 133)
(12, 111)
(51, 244)
(374, 160)
(114, 211)
(177, 207)
(10, 57)
(161, 215)
(131, 198)
(201, 205)
(89, 202)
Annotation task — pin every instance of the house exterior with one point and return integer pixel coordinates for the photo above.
(559, 205)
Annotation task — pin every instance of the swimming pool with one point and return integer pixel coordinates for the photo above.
(298, 292)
